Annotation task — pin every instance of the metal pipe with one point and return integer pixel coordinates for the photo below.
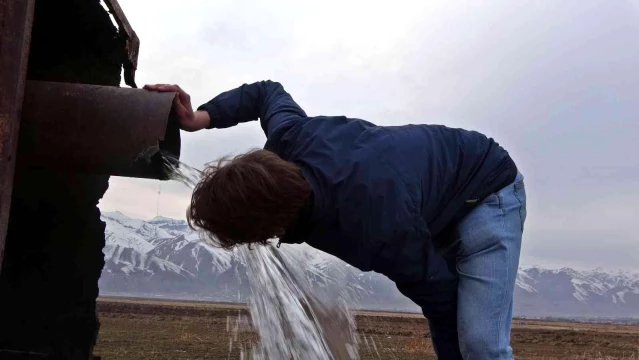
(97, 129)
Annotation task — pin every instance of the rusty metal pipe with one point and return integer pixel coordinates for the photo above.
(97, 129)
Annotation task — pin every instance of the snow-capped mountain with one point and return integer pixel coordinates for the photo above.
(570, 293)
(163, 257)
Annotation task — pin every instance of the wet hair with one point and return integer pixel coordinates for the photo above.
(248, 199)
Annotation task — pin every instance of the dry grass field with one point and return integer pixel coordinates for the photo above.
(150, 329)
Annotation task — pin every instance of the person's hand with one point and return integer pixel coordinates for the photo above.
(189, 120)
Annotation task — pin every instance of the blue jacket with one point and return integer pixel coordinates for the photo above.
(383, 196)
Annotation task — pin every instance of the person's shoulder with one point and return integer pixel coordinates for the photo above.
(338, 120)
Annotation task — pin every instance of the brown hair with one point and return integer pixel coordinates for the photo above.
(250, 198)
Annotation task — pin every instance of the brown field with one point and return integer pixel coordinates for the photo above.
(150, 329)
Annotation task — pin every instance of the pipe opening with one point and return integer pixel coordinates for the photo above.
(98, 129)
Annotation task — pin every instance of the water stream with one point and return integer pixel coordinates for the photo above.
(294, 319)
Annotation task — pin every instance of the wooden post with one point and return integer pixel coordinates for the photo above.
(16, 19)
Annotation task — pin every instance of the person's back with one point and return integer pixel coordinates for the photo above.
(403, 201)
(362, 173)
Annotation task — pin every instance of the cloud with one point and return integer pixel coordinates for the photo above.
(554, 82)
(140, 199)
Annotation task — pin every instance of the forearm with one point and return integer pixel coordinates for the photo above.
(203, 119)
(233, 107)
(265, 100)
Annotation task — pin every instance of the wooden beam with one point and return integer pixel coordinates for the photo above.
(16, 19)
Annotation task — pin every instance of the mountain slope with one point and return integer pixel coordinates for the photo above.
(163, 257)
(570, 293)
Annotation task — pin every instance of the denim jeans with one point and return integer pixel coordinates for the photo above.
(486, 260)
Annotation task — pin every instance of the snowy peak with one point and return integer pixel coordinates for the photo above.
(123, 231)
(163, 219)
(596, 281)
(122, 219)
(172, 226)
(579, 293)
(164, 257)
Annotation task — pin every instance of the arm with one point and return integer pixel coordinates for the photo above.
(266, 100)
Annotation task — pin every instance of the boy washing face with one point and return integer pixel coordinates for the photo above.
(439, 211)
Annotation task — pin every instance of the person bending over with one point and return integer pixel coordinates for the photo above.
(439, 211)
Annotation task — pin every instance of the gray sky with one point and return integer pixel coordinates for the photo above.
(555, 82)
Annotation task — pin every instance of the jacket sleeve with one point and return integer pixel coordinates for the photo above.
(266, 100)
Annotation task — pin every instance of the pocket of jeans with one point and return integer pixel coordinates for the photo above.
(492, 200)
(520, 194)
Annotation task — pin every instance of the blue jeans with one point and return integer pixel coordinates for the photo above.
(486, 260)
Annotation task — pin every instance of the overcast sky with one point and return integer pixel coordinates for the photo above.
(554, 82)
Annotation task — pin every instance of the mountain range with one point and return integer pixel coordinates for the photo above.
(163, 257)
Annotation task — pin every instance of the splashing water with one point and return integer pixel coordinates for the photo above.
(181, 172)
(293, 319)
